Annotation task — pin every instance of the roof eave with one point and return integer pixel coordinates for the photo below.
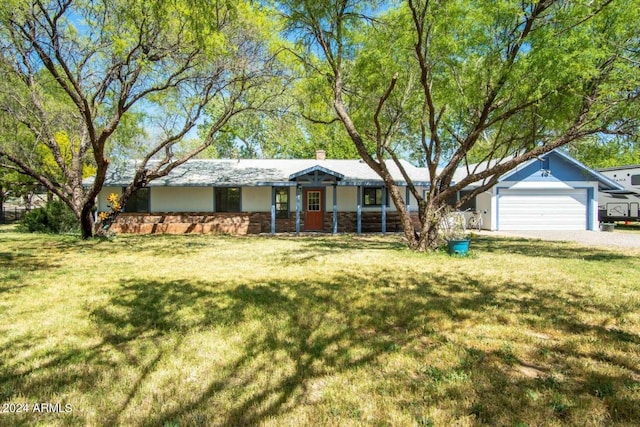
(316, 168)
(608, 184)
(604, 183)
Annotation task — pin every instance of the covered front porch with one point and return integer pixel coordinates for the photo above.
(319, 194)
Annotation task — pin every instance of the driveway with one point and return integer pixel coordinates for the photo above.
(619, 239)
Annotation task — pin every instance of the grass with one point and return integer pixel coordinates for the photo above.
(628, 226)
(216, 330)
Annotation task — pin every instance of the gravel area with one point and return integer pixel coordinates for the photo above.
(618, 239)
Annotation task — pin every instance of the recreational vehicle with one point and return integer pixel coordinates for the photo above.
(621, 205)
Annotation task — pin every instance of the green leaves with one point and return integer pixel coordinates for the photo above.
(601, 152)
(97, 80)
(450, 83)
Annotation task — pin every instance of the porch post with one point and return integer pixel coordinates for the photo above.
(407, 200)
(359, 210)
(591, 204)
(298, 210)
(384, 210)
(335, 208)
(273, 210)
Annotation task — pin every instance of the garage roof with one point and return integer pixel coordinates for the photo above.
(604, 183)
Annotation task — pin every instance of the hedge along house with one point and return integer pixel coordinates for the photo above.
(248, 196)
(552, 192)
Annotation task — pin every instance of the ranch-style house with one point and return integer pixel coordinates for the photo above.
(249, 196)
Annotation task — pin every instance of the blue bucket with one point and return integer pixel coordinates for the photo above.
(458, 247)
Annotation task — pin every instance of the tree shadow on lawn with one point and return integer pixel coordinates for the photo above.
(286, 338)
(15, 266)
(508, 390)
(25, 262)
(347, 242)
(153, 306)
(318, 245)
(547, 249)
(313, 248)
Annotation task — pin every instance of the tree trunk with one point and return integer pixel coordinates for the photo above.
(86, 221)
(1, 206)
(432, 239)
(429, 238)
(401, 208)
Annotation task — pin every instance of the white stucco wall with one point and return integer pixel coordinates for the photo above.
(413, 201)
(256, 199)
(484, 205)
(181, 199)
(102, 203)
(348, 199)
(292, 199)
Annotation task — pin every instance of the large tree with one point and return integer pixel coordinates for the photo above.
(294, 126)
(454, 82)
(85, 78)
(602, 152)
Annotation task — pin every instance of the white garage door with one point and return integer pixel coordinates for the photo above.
(542, 209)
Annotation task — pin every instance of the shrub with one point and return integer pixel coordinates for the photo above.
(35, 221)
(55, 217)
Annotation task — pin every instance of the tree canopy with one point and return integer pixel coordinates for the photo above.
(85, 79)
(598, 152)
(455, 84)
(447, 84)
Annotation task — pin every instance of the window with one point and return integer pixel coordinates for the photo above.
(228, 199)
(635, 179)
(373, 196)
(138, 201)
(469, 204)
(282, 203)
(451, 200)
(313, 201)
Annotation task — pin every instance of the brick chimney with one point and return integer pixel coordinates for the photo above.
(321, 155)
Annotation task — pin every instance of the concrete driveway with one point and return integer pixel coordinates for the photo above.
(619, 239)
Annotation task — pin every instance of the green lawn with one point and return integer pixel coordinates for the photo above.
(630, 227)
(215, 330)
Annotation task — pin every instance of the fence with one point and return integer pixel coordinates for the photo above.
(9, 215)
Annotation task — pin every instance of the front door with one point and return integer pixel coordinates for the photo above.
(313, 209)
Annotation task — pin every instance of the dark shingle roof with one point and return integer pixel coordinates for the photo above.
(256, 172)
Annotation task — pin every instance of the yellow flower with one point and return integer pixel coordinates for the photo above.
(113, 198)
(103, 216)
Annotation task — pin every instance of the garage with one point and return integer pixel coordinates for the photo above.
(550, 192)
(539, 209)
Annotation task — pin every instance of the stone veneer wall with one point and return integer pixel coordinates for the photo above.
(246, 223)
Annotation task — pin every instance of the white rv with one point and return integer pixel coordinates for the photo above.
(621, 205)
